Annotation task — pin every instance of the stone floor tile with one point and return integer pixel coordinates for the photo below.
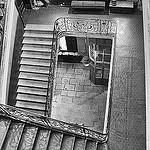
(69, 87)
(57, 92)
(71, 93)
(85, 82)
(66, 65)
(74, 81)
(87, 88)
(70, 70)
(78, 66)
(79, 71)
(64, 93)
(65, 80)
(59, 86)
(79, 88)
(66, 99)
(61, 70)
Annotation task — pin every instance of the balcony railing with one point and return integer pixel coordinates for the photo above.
(65, 26)
(49, 123)
(85, 26)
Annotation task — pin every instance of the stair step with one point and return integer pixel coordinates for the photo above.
(33, 76)
(4, 128)
(68, 142)
(30, 105)
(38, 34)
(32, 91)
(15, 132)
(39, 27)
(34, 69)
(80, 144)
(37, 41)
(35, 62)
(28, 138)
(36, 55)
(38, 48)
(91, 145)
(31, 83)
(30, 98)
(42, 139)
(55, 141)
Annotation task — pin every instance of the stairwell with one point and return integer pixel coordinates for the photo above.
(34, 68)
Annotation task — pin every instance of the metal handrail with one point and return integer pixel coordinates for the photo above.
(64, 26)
(49, 123)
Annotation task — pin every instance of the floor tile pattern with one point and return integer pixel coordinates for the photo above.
(77, 98)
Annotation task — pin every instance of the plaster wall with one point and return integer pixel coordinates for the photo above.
(8, 46)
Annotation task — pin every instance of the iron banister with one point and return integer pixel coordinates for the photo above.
(84, 25)
(49, 123)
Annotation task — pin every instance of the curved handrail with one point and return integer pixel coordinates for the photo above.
(49, 123)
(67, 25)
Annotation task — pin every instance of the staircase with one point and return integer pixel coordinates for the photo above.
(21, 130)
(34, 68)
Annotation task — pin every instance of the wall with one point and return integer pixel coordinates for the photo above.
(8, 46)
(15, 61)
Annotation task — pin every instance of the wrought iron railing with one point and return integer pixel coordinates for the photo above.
(65, 26)
(49, 123)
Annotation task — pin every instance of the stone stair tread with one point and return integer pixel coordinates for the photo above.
(4, 128)
(36, 42)
(29, 132)
(39, 27)
(91, 145)
(35, 55)
(30, 105)
(42, 139)
(55, 141)
(35, 62)
(68, 142)
(38, 34)
(41, 112)
(38, 48)
(33, 76)
(32, 83)
(31, 91)
(30, 98)
(34, 69)
(18, 134)
(80, 144)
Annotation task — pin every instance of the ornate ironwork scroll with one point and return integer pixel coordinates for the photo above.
(3, 5)
(81, 25)
(49, 123)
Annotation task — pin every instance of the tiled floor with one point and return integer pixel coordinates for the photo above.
(128, 122)
(77, 98)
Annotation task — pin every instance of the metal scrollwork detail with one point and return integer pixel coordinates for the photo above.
(3, 5)
(93, 26)
(50, 123)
